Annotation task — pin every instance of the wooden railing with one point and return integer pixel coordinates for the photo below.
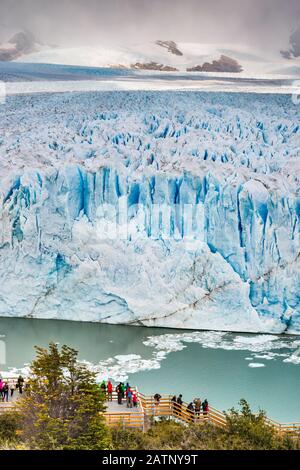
(166, 407)
(285, 428)
(126, 420)
(129, 419)
(6, 406)
(147, 407)
(169, 409)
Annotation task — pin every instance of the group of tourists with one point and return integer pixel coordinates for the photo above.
(194, 408)
(7, 388)
(123, 392)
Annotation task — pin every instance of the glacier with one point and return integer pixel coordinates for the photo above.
(174, 209)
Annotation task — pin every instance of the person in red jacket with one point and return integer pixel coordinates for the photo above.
(134, 399)
(109, 390)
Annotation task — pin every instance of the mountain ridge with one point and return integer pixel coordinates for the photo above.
(162, 55)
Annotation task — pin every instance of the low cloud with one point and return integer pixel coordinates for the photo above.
(261, 23)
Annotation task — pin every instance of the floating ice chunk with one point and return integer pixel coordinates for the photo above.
(255, 339)
(293, 358)
(125, 358)
(267, 357)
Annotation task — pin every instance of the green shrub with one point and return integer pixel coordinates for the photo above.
(252, 430)
(63, 405)
(245, 431)
(127, 439)
(9, 426)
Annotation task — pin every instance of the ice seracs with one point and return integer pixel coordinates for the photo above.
(87, 180)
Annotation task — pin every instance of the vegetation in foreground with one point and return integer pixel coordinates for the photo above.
(62, 409)
(245, 431)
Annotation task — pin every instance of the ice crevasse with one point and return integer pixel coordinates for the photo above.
(179, 219)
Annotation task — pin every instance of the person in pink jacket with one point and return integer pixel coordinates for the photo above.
(1, 387)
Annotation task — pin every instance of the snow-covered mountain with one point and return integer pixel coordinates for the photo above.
(167, 56)
(159, 55)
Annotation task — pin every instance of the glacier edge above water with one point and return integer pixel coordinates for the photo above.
(187, 218)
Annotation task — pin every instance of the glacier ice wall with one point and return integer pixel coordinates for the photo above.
(161, 209)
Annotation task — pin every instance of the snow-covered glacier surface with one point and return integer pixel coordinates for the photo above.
(174, 209)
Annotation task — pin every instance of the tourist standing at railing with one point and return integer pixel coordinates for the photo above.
(103, 386)
(20, 384)
(1, 388)
(174, 402)
(197, 403)
(157, 398)
(134, 399)
(129, 397)
(109, 390)
(205, 408)
(191, 412)
(119, 390)
(179, 404)
(12, 387)
(5, 391)
(179, 400)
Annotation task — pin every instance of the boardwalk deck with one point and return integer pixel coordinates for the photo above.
(113, 407)
(138, 417)
(121, 415)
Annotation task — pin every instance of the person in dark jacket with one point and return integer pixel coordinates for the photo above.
(179, 404)
(191, 412)
(5, 391)
(157, 398)
(190, 406)
(179, 400)
(205, 407)
(103, 386)
(173, 403)
(119, 391)
(20, 384)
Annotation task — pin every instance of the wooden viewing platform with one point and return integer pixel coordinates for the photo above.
(139, 417)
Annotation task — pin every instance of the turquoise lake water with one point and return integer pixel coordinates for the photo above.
(221, 367)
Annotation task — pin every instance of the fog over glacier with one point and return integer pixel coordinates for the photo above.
(177, 209)
(263, 23)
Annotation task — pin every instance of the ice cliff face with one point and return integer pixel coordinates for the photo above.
(162, 209)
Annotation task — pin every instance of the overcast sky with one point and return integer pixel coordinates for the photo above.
(263, 23)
